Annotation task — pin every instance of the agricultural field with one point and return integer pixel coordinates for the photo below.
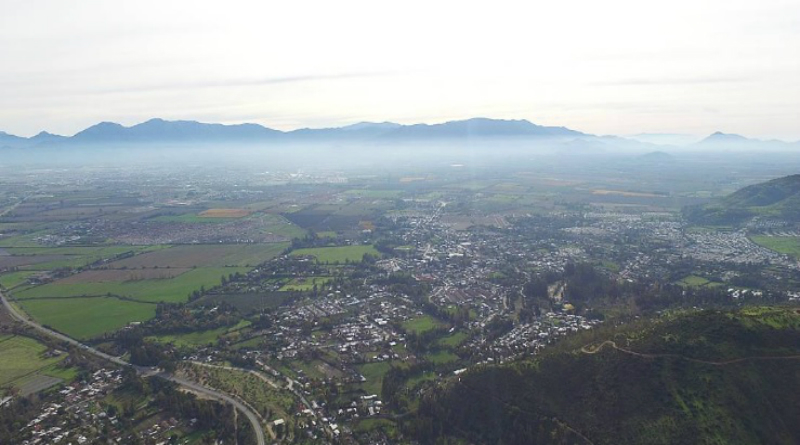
(788, 245)
(25, 364)
(204, 255)
(224, 213)
(333, 255)
(14, 279)
(171, 290)
(86, 318)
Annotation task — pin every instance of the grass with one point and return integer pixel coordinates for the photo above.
(173, 290)
(788, 245)
(329, 255)
(304, 284)
(200, 338)
(421, 325)
(374, 373)
(14, 279)
(694, 281)
(22, 357)
(453, 340)
(85, 318)
(441, 357)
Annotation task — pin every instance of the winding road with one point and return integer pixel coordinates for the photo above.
(191, 386)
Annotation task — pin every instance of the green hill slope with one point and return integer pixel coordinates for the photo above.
(778, 198)
(706, 378)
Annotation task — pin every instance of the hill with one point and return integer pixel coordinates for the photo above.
(778, 198)
(701, 378)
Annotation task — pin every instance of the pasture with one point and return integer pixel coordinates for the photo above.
(86, 318)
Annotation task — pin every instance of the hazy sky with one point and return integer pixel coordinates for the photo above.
(610, 66)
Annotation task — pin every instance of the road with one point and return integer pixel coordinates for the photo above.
(141, 370)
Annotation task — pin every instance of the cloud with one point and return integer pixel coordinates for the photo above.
(672, 81)
(227, 83)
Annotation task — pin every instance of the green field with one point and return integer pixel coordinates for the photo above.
(85, 318)
(453, 340)
(421, 325)
(23, 357)
(789, 245)
(339, 255)
(694, 281)
(172, 290)
(441, 357)
(374, 373)
(304, 284)
(14, 279)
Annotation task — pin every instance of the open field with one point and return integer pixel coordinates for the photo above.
(329, 255)
(247, 303)
(374, 373)
(224, 213)
(22, 358)
(789, 245)
(85, 318)
(422, 324)
(453, 340)
(205, 255)
(303, 284)
(123, 275)
(175, 289)
(200, 338)
(14, 279)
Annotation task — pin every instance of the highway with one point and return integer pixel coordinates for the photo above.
(191, 386)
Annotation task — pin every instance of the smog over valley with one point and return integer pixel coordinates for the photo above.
(414, 223)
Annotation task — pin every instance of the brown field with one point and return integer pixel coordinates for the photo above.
(119, 276)
(224, 213)
(622, 193)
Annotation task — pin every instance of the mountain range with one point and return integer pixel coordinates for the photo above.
(177, 132)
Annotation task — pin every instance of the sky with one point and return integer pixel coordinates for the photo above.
(603, 67)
